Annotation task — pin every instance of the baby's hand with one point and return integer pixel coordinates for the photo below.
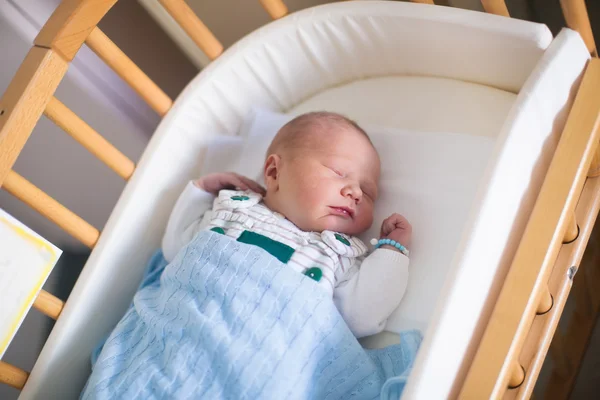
(213, 183)
(397, 228)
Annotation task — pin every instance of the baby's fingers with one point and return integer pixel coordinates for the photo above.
(233, 181)
(254, 186)
(388, 226)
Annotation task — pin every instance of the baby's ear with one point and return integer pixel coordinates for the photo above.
(271, 172)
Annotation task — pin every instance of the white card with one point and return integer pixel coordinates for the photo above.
(26, 260)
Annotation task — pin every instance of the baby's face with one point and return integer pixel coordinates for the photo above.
(331, 183)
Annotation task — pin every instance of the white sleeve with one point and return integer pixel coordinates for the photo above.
(186, 219)
(372, 293)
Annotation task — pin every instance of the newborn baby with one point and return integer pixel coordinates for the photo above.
(321, 176)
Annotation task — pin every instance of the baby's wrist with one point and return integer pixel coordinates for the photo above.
(389, 247)
(390, 244)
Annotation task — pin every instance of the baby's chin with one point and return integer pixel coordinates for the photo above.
(342, 225)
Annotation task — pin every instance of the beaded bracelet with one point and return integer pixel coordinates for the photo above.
(390, 242)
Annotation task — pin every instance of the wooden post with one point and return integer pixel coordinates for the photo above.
(131, 73)
(62, 116)
(12, 376)
(51, 209)
(497, 7)
(275, 8)
(577, 18)
(48, 304)
(195, 28)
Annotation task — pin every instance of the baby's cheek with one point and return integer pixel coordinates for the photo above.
(368, 218)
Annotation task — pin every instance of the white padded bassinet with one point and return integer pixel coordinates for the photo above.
(394, 64)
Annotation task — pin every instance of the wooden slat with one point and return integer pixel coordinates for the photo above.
(129, 71)
(275, 8)
(12, 376)
(51, 209)
(577, 18)
(62, 116)
(423, 1)
(70, 25)
(48, 304)
(514, 310)
(497, 7)
(25, 100)
(195, 28)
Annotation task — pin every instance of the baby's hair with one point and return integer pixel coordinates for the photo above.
(291, 134)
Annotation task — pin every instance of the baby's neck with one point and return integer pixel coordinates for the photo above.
(271, 203)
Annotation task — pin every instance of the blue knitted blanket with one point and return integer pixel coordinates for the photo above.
(226, 320)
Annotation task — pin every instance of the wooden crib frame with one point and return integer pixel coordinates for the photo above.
(520, 330)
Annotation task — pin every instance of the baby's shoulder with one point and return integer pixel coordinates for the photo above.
(343, 245)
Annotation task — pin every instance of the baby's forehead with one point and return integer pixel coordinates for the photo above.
(330, 137)
(321, 132)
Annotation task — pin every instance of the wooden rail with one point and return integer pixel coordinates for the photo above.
(62, 116)
(194, 27)
(515, 309)
(12, 376)
(276, 8)
(48, 304)
(129, 71)
(51, 209)
(497, 7)
(577, 18)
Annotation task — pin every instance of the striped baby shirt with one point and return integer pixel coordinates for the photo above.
(366, 288)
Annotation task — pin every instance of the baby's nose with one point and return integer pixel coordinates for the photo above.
(354, 192)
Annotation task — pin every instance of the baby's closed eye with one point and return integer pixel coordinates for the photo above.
(335, 170)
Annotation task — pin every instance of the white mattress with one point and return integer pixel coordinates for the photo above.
(327, 53)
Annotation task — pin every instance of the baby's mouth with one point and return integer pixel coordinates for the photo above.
(343, 211)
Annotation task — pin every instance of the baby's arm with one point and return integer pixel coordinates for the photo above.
(186, 219)
(373, 289)
(192, 210)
